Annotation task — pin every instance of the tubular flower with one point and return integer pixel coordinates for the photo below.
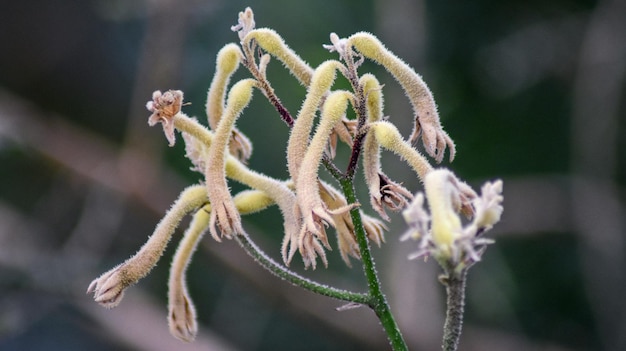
(383, 191)
(182, 313)
(197, 147)
(426, 122)
(109, 288)
(388, 136)
(310, 205)
(441, 232)
(279, 193)
(224, 213)
(323, 78)
(227, 62)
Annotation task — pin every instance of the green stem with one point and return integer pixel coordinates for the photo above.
(266, 262)
(378, 302)
(455, 289)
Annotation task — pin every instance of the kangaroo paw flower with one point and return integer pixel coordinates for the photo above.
(310, 248)
(224, 212)
(441, 232)
(426, 121)
(182, 318)
(108, 289)
(164, 106)
(182, 314)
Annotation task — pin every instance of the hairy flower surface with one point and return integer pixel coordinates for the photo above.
(228, 59)
(426, 121)
(308, 204)
(109, 288)
(313, 210)
(224, 214)
(164, 106)
(323, 78)
(441, 232)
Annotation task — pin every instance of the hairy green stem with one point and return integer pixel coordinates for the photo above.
(266, 262)
(377, 302)
(455, 289)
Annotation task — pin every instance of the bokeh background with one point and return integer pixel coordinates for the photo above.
(531, 91)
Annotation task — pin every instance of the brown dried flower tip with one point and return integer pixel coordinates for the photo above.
(164, 106)
(310, 247)
(109, 288)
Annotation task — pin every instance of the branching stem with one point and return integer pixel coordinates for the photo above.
(278, 270)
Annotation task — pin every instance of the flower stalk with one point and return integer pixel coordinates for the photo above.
(378, 301)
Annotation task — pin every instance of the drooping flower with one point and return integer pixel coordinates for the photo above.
(426, 120)
(109, 288)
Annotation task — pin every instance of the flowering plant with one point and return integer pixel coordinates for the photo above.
(309, 206)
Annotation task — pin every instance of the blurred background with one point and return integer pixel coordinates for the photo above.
(531, 91)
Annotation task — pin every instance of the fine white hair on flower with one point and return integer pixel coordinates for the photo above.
(462, 247)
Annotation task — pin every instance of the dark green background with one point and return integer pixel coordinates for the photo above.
(531, 91)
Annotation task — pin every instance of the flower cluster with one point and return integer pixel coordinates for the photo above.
(309, 206)
(441, 233)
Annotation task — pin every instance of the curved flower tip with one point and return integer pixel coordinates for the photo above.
(316, 222)
(389, 194)
(310, 247)
(291, 238)
(289, 247)
(245, 23)
(374, 228)
(240, 146)
(109, 288)
(182, 318)
(434, 138)
(164, 106)
(225, 216)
